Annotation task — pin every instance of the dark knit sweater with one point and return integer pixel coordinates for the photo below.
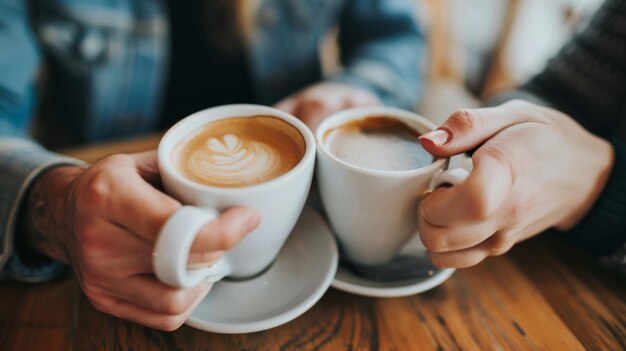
(587, 80)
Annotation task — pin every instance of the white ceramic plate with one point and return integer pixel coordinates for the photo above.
(298, 278)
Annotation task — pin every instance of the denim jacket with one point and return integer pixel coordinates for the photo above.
(106, 67)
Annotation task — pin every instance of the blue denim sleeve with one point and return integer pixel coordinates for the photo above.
(382, 49)
(21, 159)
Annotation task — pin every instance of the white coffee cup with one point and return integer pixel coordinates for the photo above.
(374, 212)
(279, 202)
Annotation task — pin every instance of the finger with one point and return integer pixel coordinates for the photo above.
(310, 109)
(497, 244)
(226, 231)
(125, 254)
(288, 104)
(202, 259)
(362, 99)
(474, 200)
(313, 111)
(129, 311)
(445, 239)
(467, 129)
(124, 197)
(148, 293)
(457, 259)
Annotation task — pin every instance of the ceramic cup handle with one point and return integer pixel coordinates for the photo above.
(451, 176)
(171, 251)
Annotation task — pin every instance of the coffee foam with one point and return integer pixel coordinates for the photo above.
(377, 142)
(240, 151)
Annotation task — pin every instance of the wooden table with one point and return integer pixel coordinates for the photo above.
(540, 296)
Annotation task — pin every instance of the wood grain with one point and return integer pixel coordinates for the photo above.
(37, 316)
(589, 299)
(494, 305)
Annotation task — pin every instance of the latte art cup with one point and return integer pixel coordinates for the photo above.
(279, 202)
(374, 212)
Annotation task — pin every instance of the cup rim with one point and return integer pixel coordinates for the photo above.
(223, 112)
(343, 116)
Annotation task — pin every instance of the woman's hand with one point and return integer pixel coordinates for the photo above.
(103, 221)
(320, 100)
(534, 168)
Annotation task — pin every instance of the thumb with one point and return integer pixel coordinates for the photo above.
(467, 129)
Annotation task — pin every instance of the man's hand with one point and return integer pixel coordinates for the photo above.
(534, 168)
(103, 221)
(320, 100)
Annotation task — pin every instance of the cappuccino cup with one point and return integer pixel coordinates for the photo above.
(234, 155)
(372, 172)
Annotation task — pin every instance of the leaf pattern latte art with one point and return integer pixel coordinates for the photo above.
(231, 160)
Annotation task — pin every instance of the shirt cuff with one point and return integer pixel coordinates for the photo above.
(603, 230)
(21, 161)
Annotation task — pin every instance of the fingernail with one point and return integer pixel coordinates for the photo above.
(437, 137)
(253, 221)
(203, 259)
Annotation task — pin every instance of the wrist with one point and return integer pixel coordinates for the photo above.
(45, 214)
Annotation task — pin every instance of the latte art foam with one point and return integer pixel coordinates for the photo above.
(231, 161)
(240, 151)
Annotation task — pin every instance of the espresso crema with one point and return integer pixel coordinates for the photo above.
(239, 151)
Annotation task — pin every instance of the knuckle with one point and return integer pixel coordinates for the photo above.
(481, 206)
(440, 261)
(228, 235)
(101, 303)
(435, 242)
(465, 120)
(175, 303)
(500, 244)
(90, 291)
(425, 214)
(170, 323)
(98, 191)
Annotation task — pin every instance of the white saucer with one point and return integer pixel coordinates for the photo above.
(298, 278)
(347, 280)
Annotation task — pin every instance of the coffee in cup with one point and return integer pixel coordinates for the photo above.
(377, 142)
(239, 151)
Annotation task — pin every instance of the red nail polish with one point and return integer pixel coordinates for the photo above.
(438, 137)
